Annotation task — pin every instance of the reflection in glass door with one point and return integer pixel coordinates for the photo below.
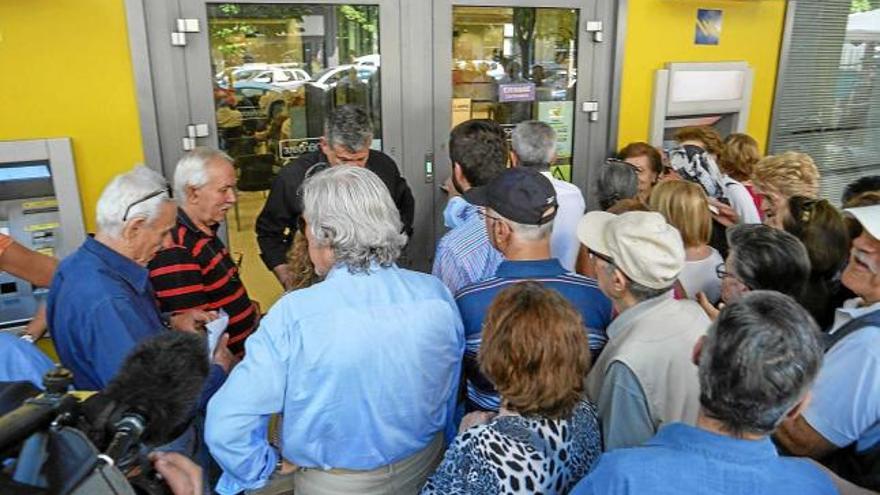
(278, 69)
(511, 64)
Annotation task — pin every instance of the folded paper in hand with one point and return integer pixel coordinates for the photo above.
(215, 330)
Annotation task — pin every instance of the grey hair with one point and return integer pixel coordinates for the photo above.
(759, 359)
(124, 190)
(349, 209)
(349, 126)
(530, 233)
(192, 170)
(617, 181)
(534, 143)
(764, 258)
(638, 291)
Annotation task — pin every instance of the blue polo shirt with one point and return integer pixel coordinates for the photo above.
(101, 304)
(685, 459)
(474, 300)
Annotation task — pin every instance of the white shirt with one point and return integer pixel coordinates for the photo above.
(741, 201)
(699, 276)
(564, 243)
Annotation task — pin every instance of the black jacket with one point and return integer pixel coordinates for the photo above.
(278, 220)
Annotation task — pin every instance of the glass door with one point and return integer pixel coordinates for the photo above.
(262, 77)
(510, 62)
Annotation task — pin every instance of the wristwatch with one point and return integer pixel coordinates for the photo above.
(27, 337)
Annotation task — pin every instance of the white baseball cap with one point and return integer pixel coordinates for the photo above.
(641, 244)
(869, 217)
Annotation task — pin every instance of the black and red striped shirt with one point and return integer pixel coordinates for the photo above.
(198, 273)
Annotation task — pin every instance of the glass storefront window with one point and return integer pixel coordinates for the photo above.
(516, 64)
(278, 70)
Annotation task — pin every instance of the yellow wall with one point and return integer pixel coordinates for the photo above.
(65, 70)
(661, 31)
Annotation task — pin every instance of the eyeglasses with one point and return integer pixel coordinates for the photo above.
(593, 255)
(145, 198)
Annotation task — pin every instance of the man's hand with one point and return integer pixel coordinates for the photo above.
(222, 355)
(192, 320)
(183, 476)
(711, 311)
(284, 275)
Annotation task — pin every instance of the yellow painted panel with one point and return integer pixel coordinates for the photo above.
(661, 31)
(66, 71)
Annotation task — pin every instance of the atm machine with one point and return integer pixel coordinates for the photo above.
(39, 208)
(695, 94)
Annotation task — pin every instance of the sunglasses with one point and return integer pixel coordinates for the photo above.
(148, 197)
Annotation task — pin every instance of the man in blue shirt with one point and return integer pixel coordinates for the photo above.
(478, 152)
(101, 303)
(845, 410)
(756, 365)
(364, 366)
(520, 205)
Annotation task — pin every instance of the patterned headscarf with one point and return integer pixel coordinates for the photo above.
(696, 165)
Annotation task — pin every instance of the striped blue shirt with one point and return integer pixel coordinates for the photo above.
(464, 255)
(473, 302)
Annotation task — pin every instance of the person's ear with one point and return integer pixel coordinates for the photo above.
(192, 194)
(698, 350)
(133, 228)
(325, 146)
(619, 281)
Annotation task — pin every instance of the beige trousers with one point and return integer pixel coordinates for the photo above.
(404, 477)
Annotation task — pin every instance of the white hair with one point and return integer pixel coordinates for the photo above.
(530, 233)
(125, 190)
(350, 209)
(534, 143)
(192, 170)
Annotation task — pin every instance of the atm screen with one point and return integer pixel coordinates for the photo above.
(24, 172)
(28, 179)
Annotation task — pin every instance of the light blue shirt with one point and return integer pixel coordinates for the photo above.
(845, 407)
(685, 459)
(455, 213)
(22, 361)
(564, 244)
(465, 255)
(364, 367)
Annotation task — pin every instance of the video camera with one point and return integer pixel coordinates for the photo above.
(53, 443)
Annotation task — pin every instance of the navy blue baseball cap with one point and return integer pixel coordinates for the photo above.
(519, 194)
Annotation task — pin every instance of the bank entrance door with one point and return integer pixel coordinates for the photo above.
(257, 79)
(512, 61)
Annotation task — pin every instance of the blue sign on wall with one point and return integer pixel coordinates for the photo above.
(708, 27)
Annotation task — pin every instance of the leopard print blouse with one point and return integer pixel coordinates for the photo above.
(515, 454)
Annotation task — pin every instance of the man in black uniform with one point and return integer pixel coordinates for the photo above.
(348, 134)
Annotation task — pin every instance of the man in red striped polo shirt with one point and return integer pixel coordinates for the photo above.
(197, 271)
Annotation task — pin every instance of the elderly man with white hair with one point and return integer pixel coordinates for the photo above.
(364, 365)
(101, 302)
(196, 271)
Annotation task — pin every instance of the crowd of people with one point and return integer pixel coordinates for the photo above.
(714, 328)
